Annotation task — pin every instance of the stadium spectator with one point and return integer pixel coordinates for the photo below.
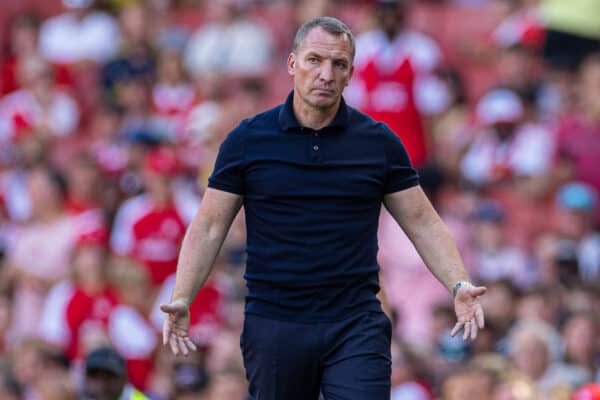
(106, 377)
(390, 62)
(494, 257)
(23, 43)
(40, 108)
(534, 348)
(577, 138)
(76, 306)
(150, 226)
(114, 79)
(505, 148)
(97, 35)
(134, 291)
(469, 383)
(231, 42)
(41, 254)
(580, 332)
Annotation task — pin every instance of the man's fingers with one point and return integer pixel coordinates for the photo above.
(170, 308)
(182, 346)
(190, 344)
(173, 344)
(479, 316)
(166, 331)
(473, 329)
(477, 291)
(456, 328)
(466, 330)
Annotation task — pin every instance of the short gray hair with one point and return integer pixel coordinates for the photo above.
(329, 25)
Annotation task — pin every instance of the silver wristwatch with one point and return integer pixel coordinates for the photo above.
(458, 285)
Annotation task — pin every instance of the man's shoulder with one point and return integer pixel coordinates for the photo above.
(364, 123)
(266, 121)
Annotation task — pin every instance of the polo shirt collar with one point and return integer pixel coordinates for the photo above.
(288, 120)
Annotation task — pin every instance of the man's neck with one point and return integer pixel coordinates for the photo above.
(312, 117)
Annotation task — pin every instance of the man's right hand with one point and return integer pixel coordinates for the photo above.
(176, 326)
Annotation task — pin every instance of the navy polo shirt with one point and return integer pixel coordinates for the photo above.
(312, 201)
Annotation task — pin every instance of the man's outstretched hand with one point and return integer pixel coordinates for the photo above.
(469, 312)
(176, 326)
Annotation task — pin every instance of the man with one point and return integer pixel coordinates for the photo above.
(312, 174)
(393, 79)
(106, 377)
(149, 227)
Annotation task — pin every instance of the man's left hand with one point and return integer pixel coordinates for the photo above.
(468, 311)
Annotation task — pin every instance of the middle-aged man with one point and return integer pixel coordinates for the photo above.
(312, 174)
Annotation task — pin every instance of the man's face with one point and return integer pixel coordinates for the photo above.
(321, 67)
(102, 385)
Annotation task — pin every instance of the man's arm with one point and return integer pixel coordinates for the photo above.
(203, 240)
(426, 230)
(430, 236)
(201, 244)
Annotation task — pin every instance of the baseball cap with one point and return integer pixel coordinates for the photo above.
(577, 196)
(591, 391)
(499, 106)
(105, 359)
(162, 160)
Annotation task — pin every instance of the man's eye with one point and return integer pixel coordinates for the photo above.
(313, 60)
(341, 65)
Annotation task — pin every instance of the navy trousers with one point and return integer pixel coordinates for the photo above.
(343, 360)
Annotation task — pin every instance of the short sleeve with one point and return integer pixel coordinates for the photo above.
(400, 173)
(228, 173)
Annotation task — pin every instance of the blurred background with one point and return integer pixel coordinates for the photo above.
(111, 114)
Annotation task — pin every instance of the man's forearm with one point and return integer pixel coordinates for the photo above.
(438, 250)
(203, 241)
(199, 250)
(428, 233)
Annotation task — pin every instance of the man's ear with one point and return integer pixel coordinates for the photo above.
(291, 64)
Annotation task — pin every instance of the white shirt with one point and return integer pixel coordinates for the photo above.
(241, 47)
(65, 39)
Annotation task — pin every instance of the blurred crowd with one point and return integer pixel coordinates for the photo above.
(111, 114)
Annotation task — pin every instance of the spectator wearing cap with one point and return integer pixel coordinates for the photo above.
(494, 257)
(106, 377)
(505, 148)
(149, 227)
(577, 208)
(97, 35)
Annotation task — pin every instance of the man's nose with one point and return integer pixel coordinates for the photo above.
(326, 73)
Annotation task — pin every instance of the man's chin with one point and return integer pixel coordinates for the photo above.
(324, 101)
